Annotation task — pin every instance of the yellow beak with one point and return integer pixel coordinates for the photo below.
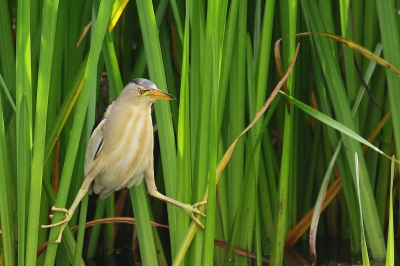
(158, 94)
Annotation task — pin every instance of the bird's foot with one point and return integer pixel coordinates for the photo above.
(65, 219)
(192, 210)
(63, 222)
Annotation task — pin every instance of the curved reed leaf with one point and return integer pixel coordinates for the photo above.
(333, 123)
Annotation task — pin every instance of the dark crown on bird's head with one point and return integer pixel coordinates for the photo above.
(144, 83)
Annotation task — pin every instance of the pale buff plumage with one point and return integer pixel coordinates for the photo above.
(120, 150)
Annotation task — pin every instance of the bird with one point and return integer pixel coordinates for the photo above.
(120, 151)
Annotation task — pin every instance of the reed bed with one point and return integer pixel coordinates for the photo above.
(293, 168)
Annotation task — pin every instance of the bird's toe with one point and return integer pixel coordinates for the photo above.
(199, 204)
(197, 221)
(196, 211)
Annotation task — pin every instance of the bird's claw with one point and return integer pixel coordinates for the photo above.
(65, 219)
(192, 210)
(63, 222)
(57, 241)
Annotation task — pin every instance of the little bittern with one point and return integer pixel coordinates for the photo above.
(120, 150)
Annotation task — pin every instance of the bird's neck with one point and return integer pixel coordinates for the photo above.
(129, 105)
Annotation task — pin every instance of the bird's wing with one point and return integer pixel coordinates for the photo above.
(95, 144)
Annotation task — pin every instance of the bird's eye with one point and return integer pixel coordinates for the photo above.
(141, 90)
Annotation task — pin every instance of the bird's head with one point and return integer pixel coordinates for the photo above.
(145, 90)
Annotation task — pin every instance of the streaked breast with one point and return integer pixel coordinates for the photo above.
(128, 145)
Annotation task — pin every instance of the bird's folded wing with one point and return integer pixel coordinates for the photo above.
(94, 147)
(96, 140)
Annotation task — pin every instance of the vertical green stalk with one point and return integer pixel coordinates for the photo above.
(390, 245)
(346, 26)
(7, 53)
(24, 121)
(258, 234)
(183, 188)
(169, 73)
(7, 236)
(142, 213)
(374, 116)
(204, 129)
(281, 220)
(239, 179)
(265, 199)
(50, 12)
(72, 57)
(196, 74)
(197, 70)
(358, 16)
(263, 57)
(370, 23)
(391, 50)
(81, 231)
(236, 99)
(95, 231)
(229, 39)
(162, 109)
(383, 166)
(52, 112)
(177, 17)
(214, 29)
(261, 78)
(287, 165)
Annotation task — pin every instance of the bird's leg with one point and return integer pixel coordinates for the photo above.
(68, 213)
(191, 210)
